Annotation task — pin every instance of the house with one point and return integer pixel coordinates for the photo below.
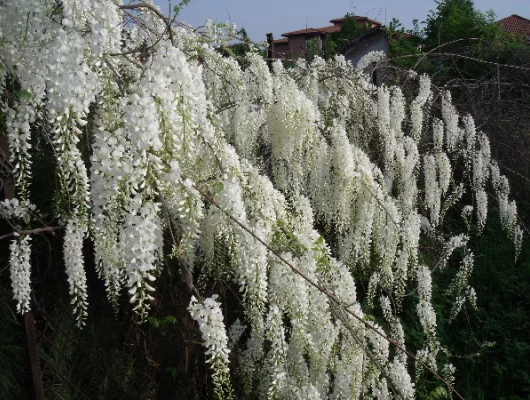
(281, 46)
(375, 39)
(517, 26)
(295, 42)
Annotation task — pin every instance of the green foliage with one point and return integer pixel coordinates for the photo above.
(500, 370)
(285, 239)
(454, 20)
(289, 60)
(238, 50)
(439, 393)
(458, 29)
(178, 8)
(162, 321)
(490, 347)
(403, 45)
(336, 40)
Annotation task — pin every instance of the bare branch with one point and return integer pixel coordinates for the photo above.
(156, 11)
(464, 57)
(32, 231)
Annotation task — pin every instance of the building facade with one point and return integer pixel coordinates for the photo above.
(295, 43)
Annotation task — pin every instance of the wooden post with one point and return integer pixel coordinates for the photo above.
(8, 190)
(270, 50)
(498, 82)
(34, 358)
(8, 186)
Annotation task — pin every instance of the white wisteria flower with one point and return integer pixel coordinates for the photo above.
(209, 316)
(74, 263)
(20, 271)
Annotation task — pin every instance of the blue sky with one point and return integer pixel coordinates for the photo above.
(279, 16)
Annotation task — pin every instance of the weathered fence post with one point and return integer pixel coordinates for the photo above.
(270, 50)
(34, 358)
(8, 190)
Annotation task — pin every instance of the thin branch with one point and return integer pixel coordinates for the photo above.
(126, 53)
(187, 276)
(326, 291)
(156, 11)
(464, 57)
(119, 78)
(32, 231)
(339, 314)
(226, 106)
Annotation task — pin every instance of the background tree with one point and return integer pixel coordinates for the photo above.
(454, 20)
(335, 41)
(403, 44)
(237, 50)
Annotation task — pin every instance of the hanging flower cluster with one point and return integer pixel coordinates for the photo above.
(73, 260)
(292, 184)
(13, 209)
(210, 318)
(20, 268)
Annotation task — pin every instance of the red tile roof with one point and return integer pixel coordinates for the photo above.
(330, 29)
(516, 25)
(286, 40)
(359, 19)
(325, 29)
